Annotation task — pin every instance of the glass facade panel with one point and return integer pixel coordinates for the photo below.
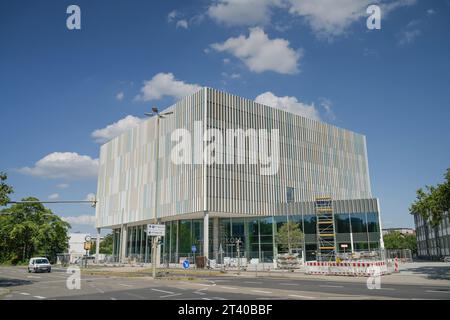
(256, 235)
(359, 223)
(342, 222)
(310, 224)
(372, 222)
(185, 237)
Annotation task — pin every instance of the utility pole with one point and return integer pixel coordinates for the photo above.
(159, 116)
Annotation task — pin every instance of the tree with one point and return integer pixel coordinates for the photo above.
(30, 229)
(5, 189)
(432, 204)
(106, 246)
(289, 236)
(397, 240)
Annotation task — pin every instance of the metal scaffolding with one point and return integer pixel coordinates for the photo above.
(326, 236)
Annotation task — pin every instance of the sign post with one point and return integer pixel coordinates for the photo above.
(238, 252)
(155, 231)
(87, 247)
(185, 267)
(221, 257)
(194, 250)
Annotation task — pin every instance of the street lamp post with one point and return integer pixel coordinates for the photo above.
(159, 116)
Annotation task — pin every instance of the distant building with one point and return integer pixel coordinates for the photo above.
(428, 245)
(401, 230)
(76, 245)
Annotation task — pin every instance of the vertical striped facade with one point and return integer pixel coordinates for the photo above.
(316, 159)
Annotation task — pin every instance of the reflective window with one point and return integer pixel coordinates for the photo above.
(310, 224)
(342, 222)
(358, 221)
(372, 222)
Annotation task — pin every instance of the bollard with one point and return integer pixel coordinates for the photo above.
(396, 264)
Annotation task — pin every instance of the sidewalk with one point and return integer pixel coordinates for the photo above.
(427, 273)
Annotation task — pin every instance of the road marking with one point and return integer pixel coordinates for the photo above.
(299, 296)
(257, 282)
(260, 291)
(329, 286)
(25, 293)
(230, 288)
(113, 298)
(219, 298)
(36, 277)
(39, 297)
(163, 291)
(288, 284)
(437, 291)
(135, 295)
(206, 299)
(204, 284)
(125, 285)
(391, 289)
(171, 295)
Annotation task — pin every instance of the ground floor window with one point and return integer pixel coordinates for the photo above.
(251, 238)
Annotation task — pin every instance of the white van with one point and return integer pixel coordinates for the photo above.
(39, 264)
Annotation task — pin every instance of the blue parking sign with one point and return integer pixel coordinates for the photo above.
(194, 248)
(186, 264)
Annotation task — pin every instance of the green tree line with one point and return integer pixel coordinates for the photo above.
(397, 240)
(29, 229)
(106, 246)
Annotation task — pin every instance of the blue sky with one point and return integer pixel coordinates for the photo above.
(58, 86)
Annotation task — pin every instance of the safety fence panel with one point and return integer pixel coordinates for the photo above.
(363, 268)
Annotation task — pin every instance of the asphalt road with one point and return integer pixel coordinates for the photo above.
(17, 284)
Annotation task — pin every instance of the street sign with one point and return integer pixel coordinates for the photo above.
(87, 246)
(344, 245)
(194, 248)
(87, 238)
(186, 264)
(156, 230)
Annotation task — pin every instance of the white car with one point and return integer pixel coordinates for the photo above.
(39, 264)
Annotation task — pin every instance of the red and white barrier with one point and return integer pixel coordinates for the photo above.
(363, 268)
(396, 264)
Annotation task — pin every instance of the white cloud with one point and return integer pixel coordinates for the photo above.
(290, 104)
(82, 220)
(53, 196)
(231, 76)
(165, 84)
(259, 53)
(408, 36)
(172, 15)
(62, 185)
(329, 18)
(226, 60)
(431, 12)
(182, 24)
(409, 33)
(120, 96)
(90, 197)
(113, 130)
(326, 18)
(327, 105)
(63, 165)
(244, 13)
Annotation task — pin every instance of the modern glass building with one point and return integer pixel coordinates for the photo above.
(245, 169)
